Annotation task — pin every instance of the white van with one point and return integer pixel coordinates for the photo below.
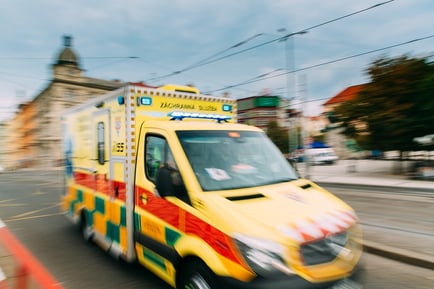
(319, 156)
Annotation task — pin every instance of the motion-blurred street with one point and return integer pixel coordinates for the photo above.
(397, 218)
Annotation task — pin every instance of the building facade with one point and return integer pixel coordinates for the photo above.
(22, 136)
(334, 136)
(261, 110)
(35, 132)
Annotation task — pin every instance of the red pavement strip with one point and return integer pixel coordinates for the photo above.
(28, 262)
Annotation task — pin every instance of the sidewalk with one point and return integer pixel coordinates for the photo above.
(399, 245)
(364, 172)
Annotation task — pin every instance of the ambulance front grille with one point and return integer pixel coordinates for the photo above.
(324, 250)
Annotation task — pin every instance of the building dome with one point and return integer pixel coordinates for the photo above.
(67, 55)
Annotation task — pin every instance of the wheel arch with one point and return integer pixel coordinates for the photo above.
(192, 248)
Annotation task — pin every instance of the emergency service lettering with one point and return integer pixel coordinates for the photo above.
(207, 107)
(171, 105)
(174, 105)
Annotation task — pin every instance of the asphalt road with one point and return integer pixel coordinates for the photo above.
(29, 205)
(401, 218)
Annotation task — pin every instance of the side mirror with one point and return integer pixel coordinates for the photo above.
(293, 163)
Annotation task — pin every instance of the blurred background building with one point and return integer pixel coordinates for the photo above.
(260, 110)
(33, 136)
(333, 135)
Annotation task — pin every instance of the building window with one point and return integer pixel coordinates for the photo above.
(69, 94)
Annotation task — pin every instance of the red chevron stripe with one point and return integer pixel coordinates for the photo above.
(99, 183)
(189, 224)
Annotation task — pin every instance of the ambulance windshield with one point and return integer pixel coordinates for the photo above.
(224, 160)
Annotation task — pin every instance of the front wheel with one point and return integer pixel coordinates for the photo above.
(197, 276)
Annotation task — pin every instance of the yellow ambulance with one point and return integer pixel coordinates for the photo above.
(166, 177)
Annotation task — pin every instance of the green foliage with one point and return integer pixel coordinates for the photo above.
(396, 106)
(278, 136)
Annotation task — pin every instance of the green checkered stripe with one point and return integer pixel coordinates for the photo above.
(112, 229)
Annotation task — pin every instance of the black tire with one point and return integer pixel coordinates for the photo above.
(85, 229)
(197, 276)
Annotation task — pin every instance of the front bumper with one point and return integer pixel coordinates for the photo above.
(354, 281)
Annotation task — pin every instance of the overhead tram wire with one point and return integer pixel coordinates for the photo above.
(205, 60)
(262, 77)
(120, 58)
(348, 15)
(209, 60)
(298, 32)
(88, 57)
(116, 61)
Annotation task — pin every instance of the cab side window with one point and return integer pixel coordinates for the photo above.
(162, 169)
(154, 155)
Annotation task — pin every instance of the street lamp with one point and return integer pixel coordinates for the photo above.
(290, 81)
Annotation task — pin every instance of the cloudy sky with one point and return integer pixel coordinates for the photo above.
(218, 46)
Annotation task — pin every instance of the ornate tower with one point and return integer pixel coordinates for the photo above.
(67, 62)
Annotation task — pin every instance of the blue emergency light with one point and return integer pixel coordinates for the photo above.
(145, 100)
(121, 100)
(227, 107)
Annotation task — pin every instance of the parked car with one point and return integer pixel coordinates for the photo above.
(317, 153)
(318, 156)
(423, 170)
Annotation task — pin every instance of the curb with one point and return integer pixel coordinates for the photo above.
(393, 253)
(376, 186)
(400, 255)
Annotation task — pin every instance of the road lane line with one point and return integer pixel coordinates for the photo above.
(34, 211)
(5, 201)
(11, 205)
(33, 217)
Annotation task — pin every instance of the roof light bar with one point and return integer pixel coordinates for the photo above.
(179, 115)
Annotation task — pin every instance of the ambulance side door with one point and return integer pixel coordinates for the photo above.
(101, 174)
(157, 220)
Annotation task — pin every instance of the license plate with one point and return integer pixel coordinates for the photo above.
(347, 284)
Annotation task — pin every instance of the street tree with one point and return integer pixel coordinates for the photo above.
(278, 135)
(396, 106)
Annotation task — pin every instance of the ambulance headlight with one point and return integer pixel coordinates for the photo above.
(263, 256)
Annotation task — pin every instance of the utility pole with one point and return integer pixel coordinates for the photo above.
(306, 139)
(290, 83)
